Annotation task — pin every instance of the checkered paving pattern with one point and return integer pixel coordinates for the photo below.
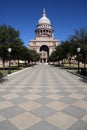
(43, 98)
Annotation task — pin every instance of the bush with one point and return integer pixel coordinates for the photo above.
(1, 74)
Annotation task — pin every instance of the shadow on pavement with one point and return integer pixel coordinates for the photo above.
(3, 79)
(83, 80)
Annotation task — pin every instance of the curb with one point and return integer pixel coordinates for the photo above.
(9, 75)
(77, 74)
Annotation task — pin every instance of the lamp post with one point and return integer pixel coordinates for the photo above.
(9, 69)
(84, 70)
(78, 50)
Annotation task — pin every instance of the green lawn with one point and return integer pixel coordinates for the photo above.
(73, 68)
(13, 69)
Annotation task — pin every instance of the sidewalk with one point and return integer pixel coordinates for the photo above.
(43, 98)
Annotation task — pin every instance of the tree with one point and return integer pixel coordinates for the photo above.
(3, 43)
(25, 54)
(9, 37)
(65, 51)
(80, 38)
(34, 56)
(53, 57)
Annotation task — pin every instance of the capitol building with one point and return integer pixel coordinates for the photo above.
(44, 42)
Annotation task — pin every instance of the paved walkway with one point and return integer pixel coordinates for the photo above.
(43, 98)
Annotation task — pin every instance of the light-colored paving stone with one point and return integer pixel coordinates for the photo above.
(2, 118)
(56, 105)
(24, 120)
(81, 104)
(10, 96)
(61, 120)
(54, 96)
(5, 104)
(84, 118)
(30, 105)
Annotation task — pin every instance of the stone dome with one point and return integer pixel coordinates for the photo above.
(44, 19)
(44, 27)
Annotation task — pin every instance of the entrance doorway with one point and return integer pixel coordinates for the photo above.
(44, 54)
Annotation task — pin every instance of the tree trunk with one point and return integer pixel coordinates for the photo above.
(18, 63)
(3, 62)
(70, 62)
(85, 65)
(62, 63)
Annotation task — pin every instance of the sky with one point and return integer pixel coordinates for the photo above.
(23, 15)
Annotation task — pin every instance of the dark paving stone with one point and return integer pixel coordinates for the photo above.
(68, 100)
(6, 125)
(43, 125)
(43, 112)
(63, 93)
(85, 99)
(10, 112)
(75, 111)
(4, 93)
(44, 86)
(24, 93)
(1, 99)
(80, 125)
(43, 101)
(19, 100)
(83, 92)
(59, 87)
(44, 93)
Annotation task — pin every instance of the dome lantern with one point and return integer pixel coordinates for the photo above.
(44, 13)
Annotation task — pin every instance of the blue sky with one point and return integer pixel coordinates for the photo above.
(23, 15)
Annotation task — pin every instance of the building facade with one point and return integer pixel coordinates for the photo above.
(44, 42)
